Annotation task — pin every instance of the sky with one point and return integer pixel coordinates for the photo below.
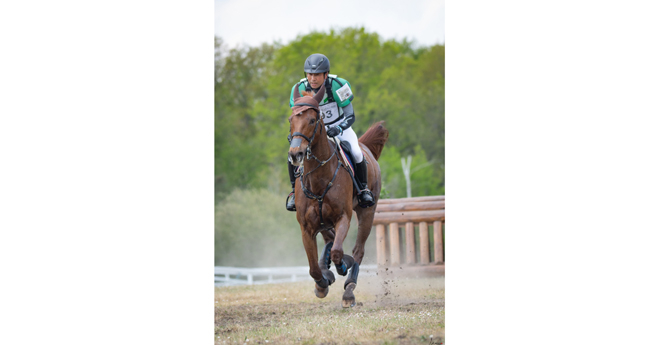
(241, 22)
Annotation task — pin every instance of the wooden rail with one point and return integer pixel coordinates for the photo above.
(396, 221)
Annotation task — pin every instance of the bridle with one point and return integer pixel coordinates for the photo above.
(309, 155)
(316, 125)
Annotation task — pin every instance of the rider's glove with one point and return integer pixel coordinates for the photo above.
(335, 131)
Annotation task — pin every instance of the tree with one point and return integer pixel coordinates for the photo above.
(391, 81)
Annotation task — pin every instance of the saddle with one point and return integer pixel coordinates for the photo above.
(345, 152)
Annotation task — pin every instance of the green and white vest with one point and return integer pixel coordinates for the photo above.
(331, 106)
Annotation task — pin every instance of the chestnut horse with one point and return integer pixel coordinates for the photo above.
(325, 196)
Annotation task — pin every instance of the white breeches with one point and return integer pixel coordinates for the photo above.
(350, 136)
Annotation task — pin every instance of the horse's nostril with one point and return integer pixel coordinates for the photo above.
(296, 157)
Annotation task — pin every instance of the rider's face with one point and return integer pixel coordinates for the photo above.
(316, 79)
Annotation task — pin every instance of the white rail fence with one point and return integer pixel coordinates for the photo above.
(228, 276)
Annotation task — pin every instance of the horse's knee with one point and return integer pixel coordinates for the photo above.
(316, 274)
(336, 255)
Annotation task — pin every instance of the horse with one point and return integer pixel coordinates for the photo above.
(325, 195)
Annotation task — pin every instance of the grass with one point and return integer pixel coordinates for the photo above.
(389, 310)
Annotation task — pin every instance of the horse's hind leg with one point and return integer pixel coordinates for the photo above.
(348, 299)
(365, 220)
(328, 235)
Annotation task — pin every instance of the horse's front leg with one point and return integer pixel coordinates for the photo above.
(344, 262)
(323, 279)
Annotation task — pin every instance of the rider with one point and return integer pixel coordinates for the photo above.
(338, 116)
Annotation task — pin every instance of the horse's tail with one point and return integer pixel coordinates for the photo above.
(375, 137)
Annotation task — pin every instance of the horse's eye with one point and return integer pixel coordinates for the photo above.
(311, 122)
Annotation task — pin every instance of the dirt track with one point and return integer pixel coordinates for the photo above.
(390, 309)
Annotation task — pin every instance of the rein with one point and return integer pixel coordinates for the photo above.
(309, 194)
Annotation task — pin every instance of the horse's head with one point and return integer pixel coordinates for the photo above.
(305, 123)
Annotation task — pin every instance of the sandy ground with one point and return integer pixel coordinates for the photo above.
(390, 309)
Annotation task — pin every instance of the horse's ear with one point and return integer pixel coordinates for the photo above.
(296, 93)
(319, 95)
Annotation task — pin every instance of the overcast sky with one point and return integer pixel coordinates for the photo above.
(253, 22)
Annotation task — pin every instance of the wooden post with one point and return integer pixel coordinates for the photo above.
(394, 244)
(424, 243)
(381, 256)
(410, 243)
(437, 239)
(422, 211)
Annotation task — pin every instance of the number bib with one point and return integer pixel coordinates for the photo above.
(344, 92)
(329, 112)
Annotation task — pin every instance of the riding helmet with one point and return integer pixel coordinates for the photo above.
(317, 63)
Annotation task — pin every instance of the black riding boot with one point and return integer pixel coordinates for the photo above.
(291, 199)
(365, 197)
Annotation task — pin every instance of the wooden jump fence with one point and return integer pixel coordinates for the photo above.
(397, 241)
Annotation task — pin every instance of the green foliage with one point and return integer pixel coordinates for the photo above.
(391, 81)
(424, 180)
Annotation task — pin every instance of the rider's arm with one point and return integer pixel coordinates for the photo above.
(349, 117)
(346, 105)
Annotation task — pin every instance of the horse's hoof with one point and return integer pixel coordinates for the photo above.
(347, 262)
(327, 274)
(321, 292)
(348, 299)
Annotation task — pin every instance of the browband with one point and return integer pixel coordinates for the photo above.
(307, 104)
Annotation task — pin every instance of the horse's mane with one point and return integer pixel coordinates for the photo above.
(375, 138)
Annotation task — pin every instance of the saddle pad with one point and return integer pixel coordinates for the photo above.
(345, 149)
